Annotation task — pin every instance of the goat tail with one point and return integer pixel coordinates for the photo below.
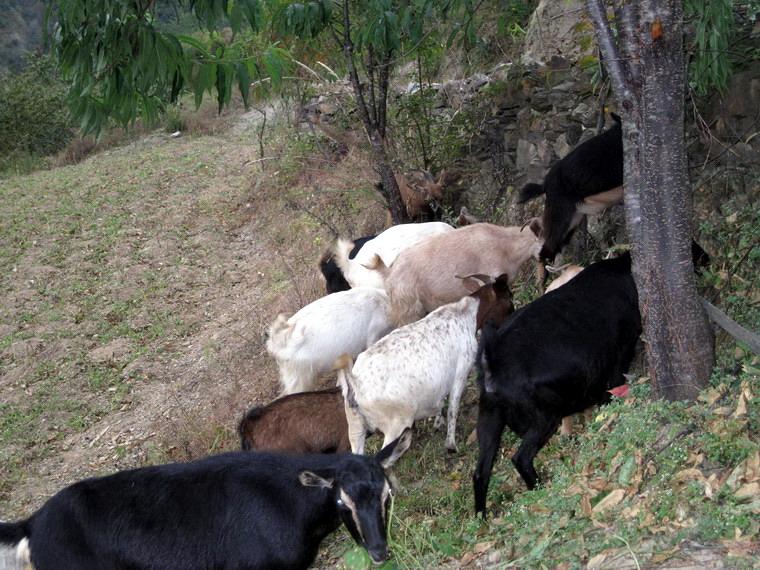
(376, 263)
(13, 533)
(343, 362)
(343, 365)
(530, 191)
(341, 251)
(279, 332)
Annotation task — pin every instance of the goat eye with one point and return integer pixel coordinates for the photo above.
(339, 502)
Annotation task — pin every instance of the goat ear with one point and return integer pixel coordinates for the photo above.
(391, 453)
(311, 479)
(537, 227)
(501, 285)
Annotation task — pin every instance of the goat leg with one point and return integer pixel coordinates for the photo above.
(455, 397)
(533, 441)
(357, 431)
(490, 427)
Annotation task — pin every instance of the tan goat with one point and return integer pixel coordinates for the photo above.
(424, 276)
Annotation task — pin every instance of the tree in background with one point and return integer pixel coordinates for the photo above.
(121, 63)
(645, 61)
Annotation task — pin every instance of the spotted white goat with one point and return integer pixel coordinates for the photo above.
(386, 246)
(308, 343)
(407, 375)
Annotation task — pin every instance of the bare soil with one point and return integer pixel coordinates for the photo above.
(137, 289)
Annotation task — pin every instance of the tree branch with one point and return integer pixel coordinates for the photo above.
(370, 69)
(732, 327)
(382, 106)
(348, 51)
(627, 19)
(609, 50)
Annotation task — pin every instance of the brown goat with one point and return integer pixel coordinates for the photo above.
(418, 190)
(308, 422)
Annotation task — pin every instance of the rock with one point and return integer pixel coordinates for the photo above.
(525, 153)
(558, 30)
(561, 146)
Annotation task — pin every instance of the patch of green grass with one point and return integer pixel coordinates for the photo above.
(639, 445)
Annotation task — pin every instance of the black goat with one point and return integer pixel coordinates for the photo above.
(586, 181)
(334, 280)
(553, 358)
(231, 511)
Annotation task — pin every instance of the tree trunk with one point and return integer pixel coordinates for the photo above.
(680, 346)
(374, 124)
(648, 76)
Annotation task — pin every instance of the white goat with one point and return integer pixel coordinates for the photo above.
(386, 246)
(308, 343)
(424, 276)
(406, 375)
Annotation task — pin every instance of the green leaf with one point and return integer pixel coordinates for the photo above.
(244, 82)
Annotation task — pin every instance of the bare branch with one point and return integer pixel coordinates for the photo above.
(382, 106)
(348, 51)
(609, 50)
(733, 328)
(626, 19)
(370, 68)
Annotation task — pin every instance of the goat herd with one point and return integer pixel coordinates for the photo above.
(399, 326)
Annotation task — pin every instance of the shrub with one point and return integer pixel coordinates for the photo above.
(33, 115)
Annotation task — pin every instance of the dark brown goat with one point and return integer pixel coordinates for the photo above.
(308, 422)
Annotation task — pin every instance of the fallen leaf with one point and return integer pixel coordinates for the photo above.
(691, 474)
(663, 556)
(596, 561)
(630, 512)
(711, 485)
(620, 391)
(737, 475)
(586, 505)
(752, 469)
(482, 547)
(741, 407)
(747, 492)
(712, 395)
(696, 458)
(610, 501)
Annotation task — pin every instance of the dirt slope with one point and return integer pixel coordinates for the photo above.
(137, 287)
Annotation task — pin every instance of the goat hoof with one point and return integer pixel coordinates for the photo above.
(452, 449)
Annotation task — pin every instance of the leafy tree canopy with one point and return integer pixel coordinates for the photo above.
(123, 63)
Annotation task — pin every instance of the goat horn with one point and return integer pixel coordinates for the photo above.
(486, 279)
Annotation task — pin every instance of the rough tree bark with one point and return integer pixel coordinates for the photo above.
(374, 118)
(647, 69)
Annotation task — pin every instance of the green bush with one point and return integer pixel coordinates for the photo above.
(34, 120)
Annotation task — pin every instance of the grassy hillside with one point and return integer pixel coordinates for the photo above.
(137, 286)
